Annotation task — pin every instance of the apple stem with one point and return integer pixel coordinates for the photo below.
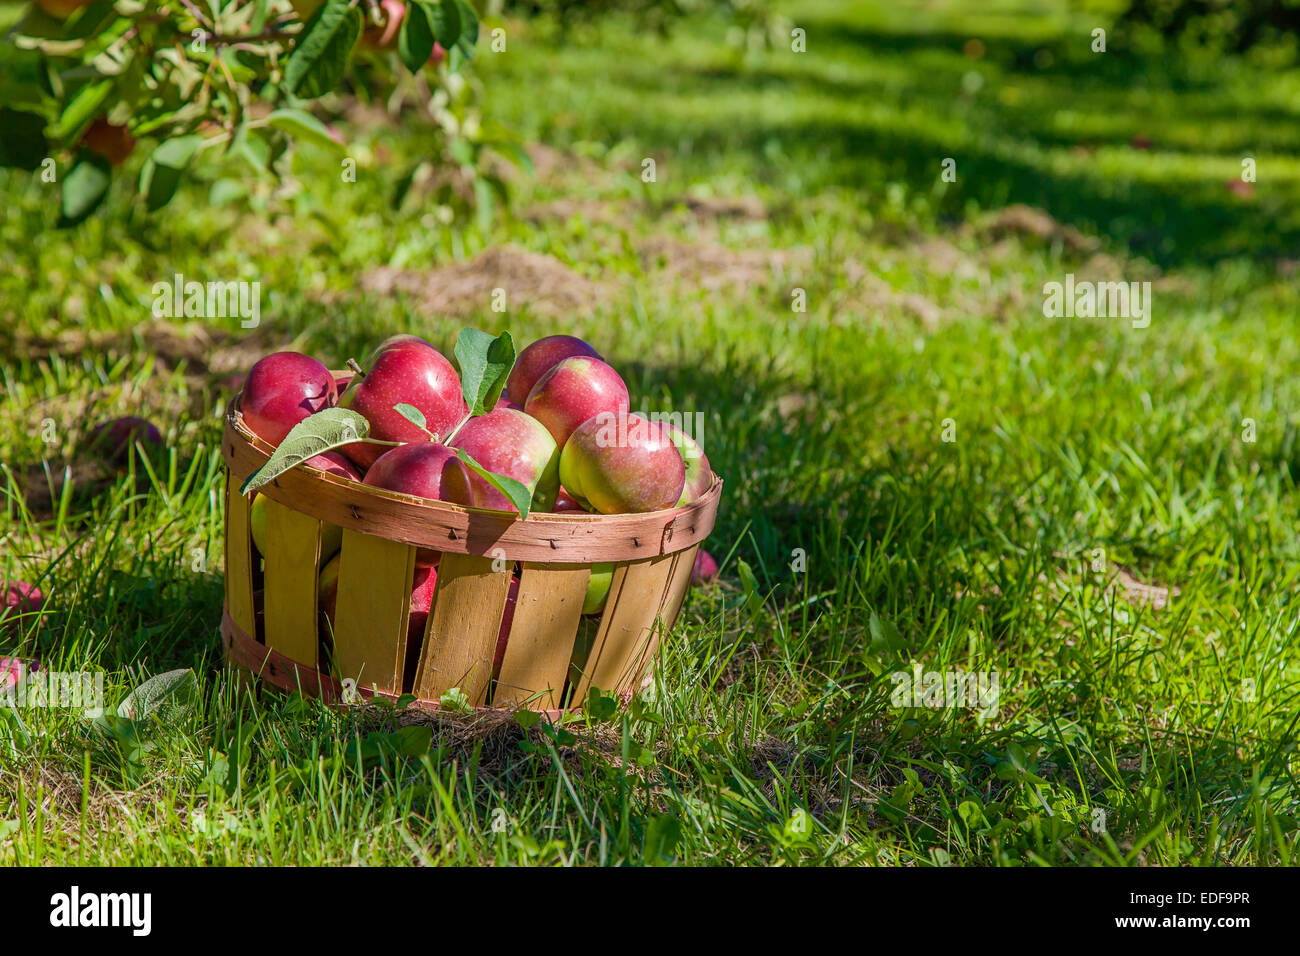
(356, 367)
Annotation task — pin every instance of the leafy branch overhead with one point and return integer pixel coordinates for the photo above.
(230, 82)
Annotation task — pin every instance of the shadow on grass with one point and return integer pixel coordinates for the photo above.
(1028, 135)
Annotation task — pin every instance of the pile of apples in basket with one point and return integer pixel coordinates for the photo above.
(549, 430)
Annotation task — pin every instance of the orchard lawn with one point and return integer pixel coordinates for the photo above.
(924, 474)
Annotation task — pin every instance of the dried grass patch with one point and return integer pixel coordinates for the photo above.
(542, 283)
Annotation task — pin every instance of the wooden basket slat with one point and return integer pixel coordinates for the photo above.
(679, 582)
(290, 618)
(460, 639)
(547, 610)
(636, 598)
(239, 559)
(372, 610)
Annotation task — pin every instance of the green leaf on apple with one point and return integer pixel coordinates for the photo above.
(485, 364)
(411, 414)
(327, 429)
(516, 491)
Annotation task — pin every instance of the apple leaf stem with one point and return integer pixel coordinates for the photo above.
(416, 418)
(451, 435)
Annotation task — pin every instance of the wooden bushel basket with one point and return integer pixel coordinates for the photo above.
(270, 623)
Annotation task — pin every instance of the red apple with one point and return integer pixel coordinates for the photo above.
(699, 476)
(504, 402)
(331, 536)
(705, 569)
(11, 673)
(327, 590)
(382, 37)
(20, 598)
(574, 391)
(426, 579)
(283, 389)
(538, 359)
(113, 143)
(410, 372)
(392, 342)
(115, 440)
(507, 618)
(622, 463)
(565, 502)
(426, 470)
(510, 443)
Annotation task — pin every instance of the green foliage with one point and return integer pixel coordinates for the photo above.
(233, 80)
(1125, 734)
(320, 52)
(1219, 26)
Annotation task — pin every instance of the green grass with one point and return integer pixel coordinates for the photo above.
(1175, 724)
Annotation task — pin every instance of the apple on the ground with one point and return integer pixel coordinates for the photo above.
(115, 440)
(283, 389)
(11, 672)
(538, 359)
(617, 464)
(574, 391)
(705, 569)
(20, 598)
(331, 536)
(409, 372)
(510, 443)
